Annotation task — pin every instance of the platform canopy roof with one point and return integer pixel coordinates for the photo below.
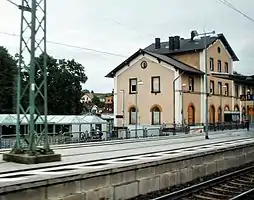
(11, 119)
(93, 119)
(6, 119)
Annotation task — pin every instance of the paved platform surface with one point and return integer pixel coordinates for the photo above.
(90, 152)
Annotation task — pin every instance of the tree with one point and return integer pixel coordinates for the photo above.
(64, 85)
(8, 72)
(96, 101)
(85, 91)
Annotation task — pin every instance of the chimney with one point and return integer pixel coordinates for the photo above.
(177, 42)
(193, 34)
(157, 43)
(171, 43)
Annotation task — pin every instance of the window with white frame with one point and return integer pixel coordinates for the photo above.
(219, 88)
(211, 64)
(211, 87)
(219, 65)
(226, 89)
(191, 84)
(133, 85)
(155, 87)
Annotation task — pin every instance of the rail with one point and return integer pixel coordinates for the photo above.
(235, 185)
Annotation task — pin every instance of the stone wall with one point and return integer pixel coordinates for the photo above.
(127, 182)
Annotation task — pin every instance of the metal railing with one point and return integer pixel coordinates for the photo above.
(8, 141)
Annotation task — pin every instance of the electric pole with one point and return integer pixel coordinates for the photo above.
(26, 150)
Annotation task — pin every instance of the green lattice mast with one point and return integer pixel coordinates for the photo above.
(32, 45)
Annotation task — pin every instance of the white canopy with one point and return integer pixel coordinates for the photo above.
(93, 119)
(6, 119)
(11, 119)
(72, 119)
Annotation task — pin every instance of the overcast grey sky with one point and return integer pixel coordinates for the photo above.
(124, 26)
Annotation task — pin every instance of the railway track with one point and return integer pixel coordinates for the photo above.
(237, 185)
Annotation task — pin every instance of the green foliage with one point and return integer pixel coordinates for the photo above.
(8, 71)
(64, 88)
(97, 102)
(85, 91)
(63, 82)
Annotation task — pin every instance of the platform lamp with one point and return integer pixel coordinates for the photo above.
(205, 34)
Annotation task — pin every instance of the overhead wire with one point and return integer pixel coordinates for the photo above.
(85, 48)
(225, 2)
(12, 2)
(72, 46)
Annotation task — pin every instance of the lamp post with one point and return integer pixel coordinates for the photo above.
(183, 86)
(139, 83)
(205, 34)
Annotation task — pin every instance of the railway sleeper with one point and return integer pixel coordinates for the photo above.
(215, 194)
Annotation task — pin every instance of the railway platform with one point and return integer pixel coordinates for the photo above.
(125, 169)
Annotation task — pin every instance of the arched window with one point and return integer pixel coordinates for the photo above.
(132, 115)
(236, 108)
(226, 108)
(212, 114)
(156, 115)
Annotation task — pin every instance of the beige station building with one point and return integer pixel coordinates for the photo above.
(145, 81)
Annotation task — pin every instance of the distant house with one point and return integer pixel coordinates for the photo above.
(109, 104)
(105, 98)
(86, 98)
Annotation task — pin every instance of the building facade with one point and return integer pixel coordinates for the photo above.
(165, 83)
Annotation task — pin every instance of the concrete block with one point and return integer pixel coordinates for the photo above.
(122, 177)
(185, 175)
(79, 196)
(100, 194)
(184, 164)
(126, 191)
(145, 172)
(147, 185)
(249, 157)
(241, 159)
(31, 194)
(174, 178)
(26, 159)
(165, 181)
(209, 158)
(210, 168)
(195, 161)
(198, 171)
(221, 164)
(62, 190)
(174, 166)
(95, 182)
(232, 162)
(161, 169)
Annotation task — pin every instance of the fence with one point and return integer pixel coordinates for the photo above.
(8, 141)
